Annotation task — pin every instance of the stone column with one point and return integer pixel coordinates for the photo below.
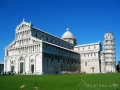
(28, 49)
(37, 48)
(24, 66)
(5, 65)
(29, 66)
(18, 66)
(35, 65)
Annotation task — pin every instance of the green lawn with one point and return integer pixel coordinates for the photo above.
(61, 82)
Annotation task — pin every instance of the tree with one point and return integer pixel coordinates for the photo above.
(117, 68)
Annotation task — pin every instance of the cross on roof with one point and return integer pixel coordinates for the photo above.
(67, 29)
(23, 20)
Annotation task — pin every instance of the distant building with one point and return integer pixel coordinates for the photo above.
(36, 51)
(1, 67)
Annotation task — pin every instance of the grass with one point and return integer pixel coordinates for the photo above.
(61, 82)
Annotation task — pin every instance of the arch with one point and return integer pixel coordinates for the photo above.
(38, 64)
(10, 58)
(31, 57)
(12, 64)
(21, 64)
(21, 58)
(36, 55)
(27, 32)
(31, 63)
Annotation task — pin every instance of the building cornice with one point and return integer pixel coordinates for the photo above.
(88, 44)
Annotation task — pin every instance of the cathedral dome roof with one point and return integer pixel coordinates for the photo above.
(67, 34)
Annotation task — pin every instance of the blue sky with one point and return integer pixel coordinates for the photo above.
(88, 20)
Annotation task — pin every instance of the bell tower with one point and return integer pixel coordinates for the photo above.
(109, 52)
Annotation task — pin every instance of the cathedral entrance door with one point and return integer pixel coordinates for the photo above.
(21, 67)
(93, 69)
(12, 69)
(32, 68)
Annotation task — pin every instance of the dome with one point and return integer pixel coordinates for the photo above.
(67, 34)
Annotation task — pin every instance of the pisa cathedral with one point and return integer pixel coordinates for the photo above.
(38, 52)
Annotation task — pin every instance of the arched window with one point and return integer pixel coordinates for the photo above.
(33, 49)
(51, 40)
(110, 36)
(36, 35)
(52, 59)
(58, 60)
(94, 46)
(106, 42)
(83, 48)
(106, 37)
(94, 54)
(42, 37)
(84, 55)
(68, 46)
(89, 47)
(85, 63)
(46, 38)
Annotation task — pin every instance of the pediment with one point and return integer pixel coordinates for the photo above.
(24, 25)
(11, 45)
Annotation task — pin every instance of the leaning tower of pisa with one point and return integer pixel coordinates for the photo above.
(109, 52)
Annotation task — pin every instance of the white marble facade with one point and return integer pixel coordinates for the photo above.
(90, 57)
(38, 52)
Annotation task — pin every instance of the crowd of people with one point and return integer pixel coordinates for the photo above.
(72, 72)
